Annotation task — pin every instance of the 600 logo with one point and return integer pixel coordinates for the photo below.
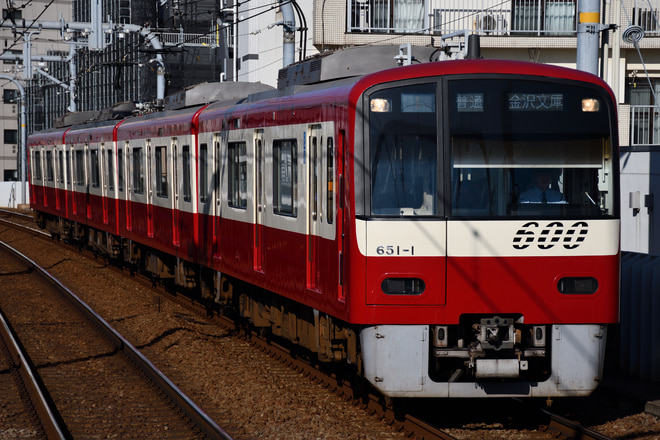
(552, 234)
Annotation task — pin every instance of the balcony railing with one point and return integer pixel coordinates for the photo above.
(487, 17)
(644, 125)
(497, 17)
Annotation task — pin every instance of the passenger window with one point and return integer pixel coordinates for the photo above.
(161, 172)
(37, 165)
(138, 171)
(203, 173)
(237, 175)
(60, 176)
(49, 166)
(120, 170)
(285, 177)
(80, 167)
(94, 158)
(187, 193)
(110, 176)
(330, 181)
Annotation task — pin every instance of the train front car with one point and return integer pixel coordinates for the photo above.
(487, 229)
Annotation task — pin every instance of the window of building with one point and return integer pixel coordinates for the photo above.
(285, 177)
(13, 52)
(554, 17)
(11, 136)
(10, 96)
(237, 175)
(161, 172)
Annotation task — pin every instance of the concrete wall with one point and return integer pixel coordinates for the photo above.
(11, 194)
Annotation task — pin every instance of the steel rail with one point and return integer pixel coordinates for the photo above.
(42, 406)
(201, 420)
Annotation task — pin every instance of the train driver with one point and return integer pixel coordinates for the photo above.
(541, 190)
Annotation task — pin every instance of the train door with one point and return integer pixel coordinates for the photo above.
(57, 177)
(336, 159)
(150, 192)
(315, 203)
(72, 172)
(125, 181)
(260, 201)
(60, 178)
(86, 182)
(175, 194)
(102, 170)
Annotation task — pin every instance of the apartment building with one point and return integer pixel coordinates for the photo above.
(13, 42)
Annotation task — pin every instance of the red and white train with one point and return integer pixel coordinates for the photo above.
(387, 221)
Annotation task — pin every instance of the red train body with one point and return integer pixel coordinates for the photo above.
(378, 221)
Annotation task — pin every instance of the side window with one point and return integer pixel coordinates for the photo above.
(187, 193)
(94, 162)
(110, 176)
(237, 189)
(49, 166)
(80, 167)
(60, 174)
(330, 181)
(138, 171)
(120, 169)
(37, 165)
(203, 173)
(69, 166)
(285, 177)
(161, 172)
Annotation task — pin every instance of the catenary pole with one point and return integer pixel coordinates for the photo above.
(588, 33)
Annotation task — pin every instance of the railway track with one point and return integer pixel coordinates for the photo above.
(410, 423)
(90, 382)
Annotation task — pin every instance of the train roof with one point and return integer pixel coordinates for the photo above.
(319, 76)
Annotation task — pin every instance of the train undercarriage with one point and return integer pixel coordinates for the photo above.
(483, 355)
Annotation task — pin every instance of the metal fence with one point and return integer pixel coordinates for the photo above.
(644, 125)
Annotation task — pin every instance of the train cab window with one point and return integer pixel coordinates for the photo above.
(285, 177)
(538, 153)
(80, 167)
(110, 170)
(36, 165)
(161, 172)
(187, 193)
(49, 166)
(138, 171)
(94, 162)
(403, 150)
(203, 173)
(330, 181)
(237, 182)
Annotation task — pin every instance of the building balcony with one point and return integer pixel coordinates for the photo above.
(524, 18)
(644, 125)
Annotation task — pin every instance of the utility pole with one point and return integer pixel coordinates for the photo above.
(588, 33)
